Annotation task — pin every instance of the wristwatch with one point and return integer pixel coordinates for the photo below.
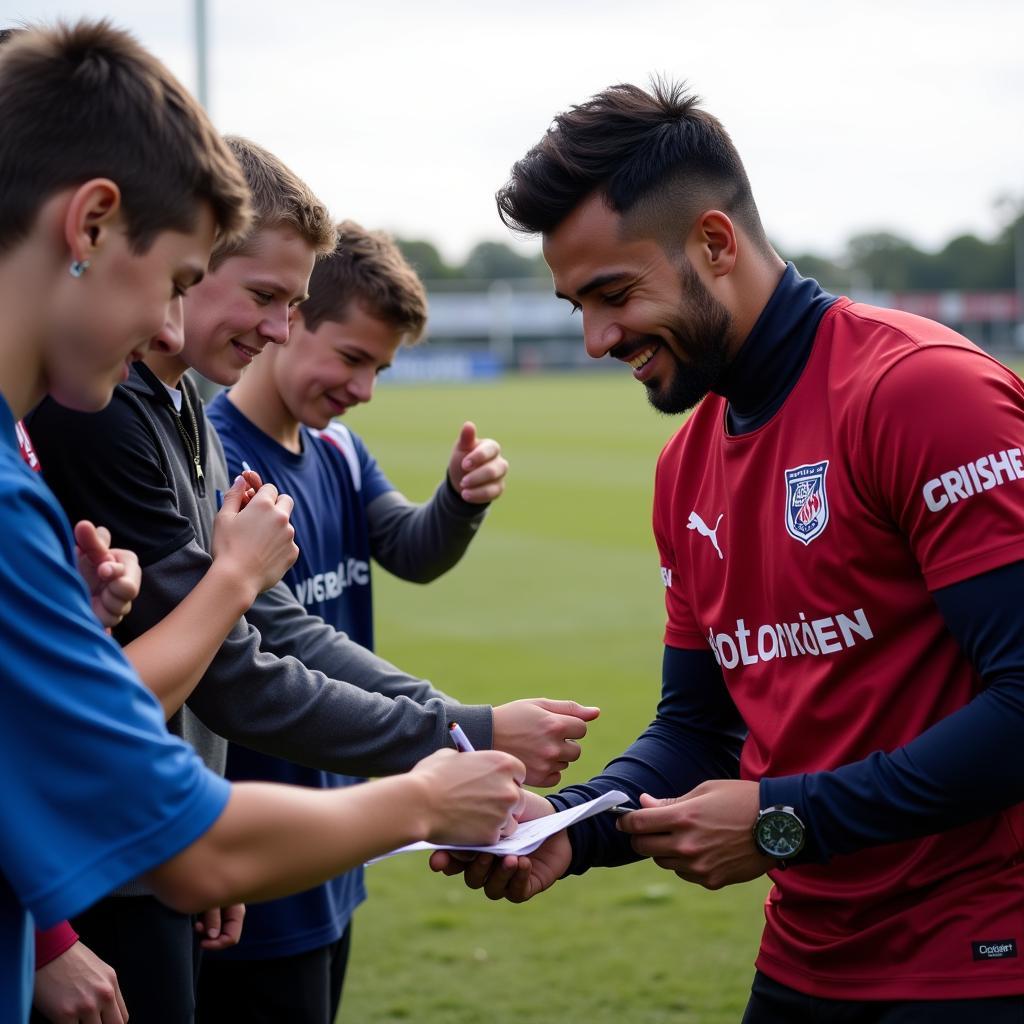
(779, 833)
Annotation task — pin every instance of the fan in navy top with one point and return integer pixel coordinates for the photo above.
(364, 302)
(333, 479)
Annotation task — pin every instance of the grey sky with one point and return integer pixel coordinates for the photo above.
(898, 114)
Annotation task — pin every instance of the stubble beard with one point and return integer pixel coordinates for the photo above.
(701, 331)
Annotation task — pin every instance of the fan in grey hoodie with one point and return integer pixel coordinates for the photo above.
(284, 682)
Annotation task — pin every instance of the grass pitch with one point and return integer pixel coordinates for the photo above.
(559, 596)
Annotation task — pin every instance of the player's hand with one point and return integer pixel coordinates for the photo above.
(477, 469)
(252, 533)
(705, 836)
(516, 879)
(112, 575)
(221, 927)
(542, 734)
(79, 986)
(471, 799)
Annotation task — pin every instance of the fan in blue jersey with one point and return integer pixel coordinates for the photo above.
(99, 238)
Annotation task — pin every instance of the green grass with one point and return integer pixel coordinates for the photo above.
(560, 596)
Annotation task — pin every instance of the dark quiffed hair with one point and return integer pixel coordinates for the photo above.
(645, 151)
(366, 267)
(87, 101)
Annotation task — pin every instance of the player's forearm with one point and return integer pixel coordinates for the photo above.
(273, 840)
(172, 656)
(965, 767)
(696, 736)
(421, 542)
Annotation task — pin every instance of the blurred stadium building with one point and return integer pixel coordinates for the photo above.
(485, 329)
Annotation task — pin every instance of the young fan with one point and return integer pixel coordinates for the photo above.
(364, 302)
(97, 235)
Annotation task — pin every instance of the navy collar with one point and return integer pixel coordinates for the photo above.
(772, 358)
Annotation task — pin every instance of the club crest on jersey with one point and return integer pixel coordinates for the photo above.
(806, 501)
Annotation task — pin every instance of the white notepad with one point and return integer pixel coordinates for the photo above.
(530, 834)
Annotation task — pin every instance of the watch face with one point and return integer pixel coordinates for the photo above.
(779, 834)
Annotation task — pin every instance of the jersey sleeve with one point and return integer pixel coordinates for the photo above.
(96, 791)
(107, 467)
(54, 942)
(419, 543)
(943, 434)
(944, 777)
(681, 628)
(375, 482)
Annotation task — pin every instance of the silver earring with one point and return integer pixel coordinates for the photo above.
(78, 267)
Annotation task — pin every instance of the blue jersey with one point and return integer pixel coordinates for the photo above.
(332, 480)
(96, 791)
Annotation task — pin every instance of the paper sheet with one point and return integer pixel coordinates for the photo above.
(530, 834)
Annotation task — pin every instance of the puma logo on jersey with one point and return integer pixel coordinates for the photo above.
(698, 524)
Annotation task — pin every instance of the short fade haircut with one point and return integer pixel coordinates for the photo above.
(368, 268)
(658, 159)
(85, 100)
(280, 198)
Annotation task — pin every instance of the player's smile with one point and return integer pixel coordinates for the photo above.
(642, 359)
(640, 356)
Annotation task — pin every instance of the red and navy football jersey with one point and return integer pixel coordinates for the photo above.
(803, 554)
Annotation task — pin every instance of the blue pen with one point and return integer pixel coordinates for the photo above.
(460, 739)
(220, 499)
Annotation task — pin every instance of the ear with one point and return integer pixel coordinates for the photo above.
(93, 209)
(714, 241)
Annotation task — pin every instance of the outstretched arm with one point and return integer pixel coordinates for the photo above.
(421, 542)
(696, 735)
(272, 840)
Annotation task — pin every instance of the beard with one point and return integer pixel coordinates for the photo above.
(701, 332)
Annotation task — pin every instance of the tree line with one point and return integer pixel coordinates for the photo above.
(878, 261)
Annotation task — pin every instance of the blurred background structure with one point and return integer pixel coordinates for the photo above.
(883, 141)
(496, 311)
